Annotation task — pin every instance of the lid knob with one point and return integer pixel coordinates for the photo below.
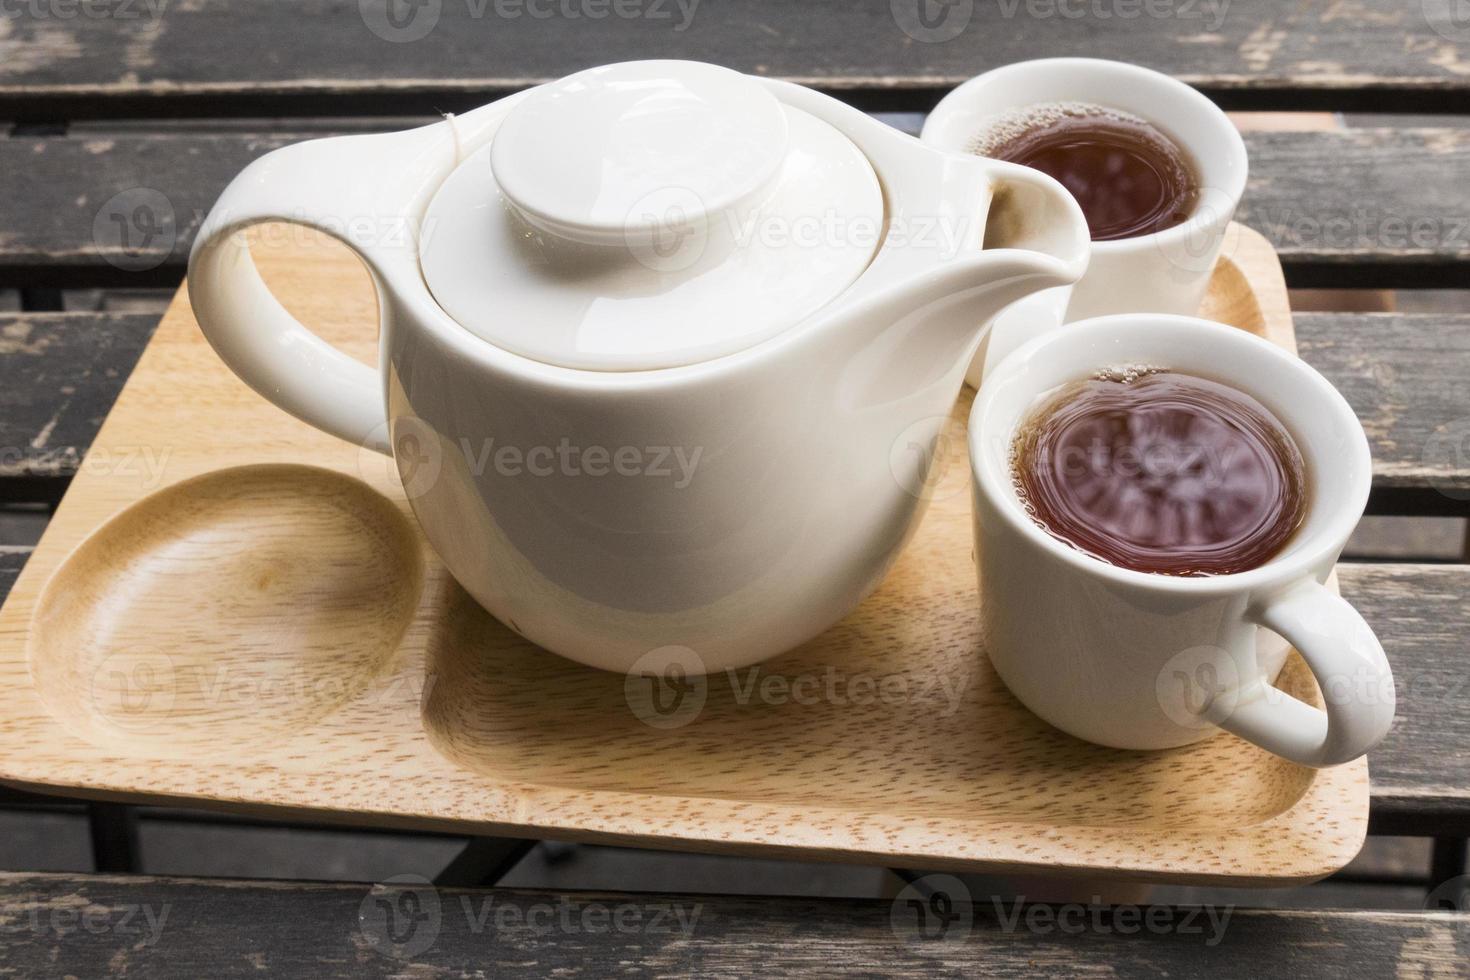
(626, 153)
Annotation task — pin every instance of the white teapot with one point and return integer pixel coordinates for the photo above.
(651, 346)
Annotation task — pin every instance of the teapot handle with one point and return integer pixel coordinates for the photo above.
(366, 191)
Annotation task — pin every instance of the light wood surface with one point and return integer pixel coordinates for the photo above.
(255, 623)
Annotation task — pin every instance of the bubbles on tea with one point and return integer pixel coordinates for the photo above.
(1125, 373)
(1128, 176)
(1000, 130)
(1161, 472)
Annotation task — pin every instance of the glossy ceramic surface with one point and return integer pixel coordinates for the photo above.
(1166, 272)
(735, 506)
(1140, 661)
(658, 292)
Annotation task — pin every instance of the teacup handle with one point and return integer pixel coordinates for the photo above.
(1351, 670)
(363, 190)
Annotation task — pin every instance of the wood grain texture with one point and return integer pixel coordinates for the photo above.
(1421, 771)
(215, 57)
(1405, 376)
(221, 928)
(1357, 208)
(344, 559)
(888, 740)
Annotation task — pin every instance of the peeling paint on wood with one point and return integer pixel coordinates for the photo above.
(193, 928)
(1420, 774)
(209, 50)
(59, 375)
(1363, 208)
(1403, 374)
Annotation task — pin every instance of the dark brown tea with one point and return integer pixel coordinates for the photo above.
(1161, 472)
(1129, 178)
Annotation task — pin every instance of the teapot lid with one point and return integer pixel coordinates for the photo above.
(647, 215)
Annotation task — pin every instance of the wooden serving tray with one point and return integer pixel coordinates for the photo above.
(232, 609)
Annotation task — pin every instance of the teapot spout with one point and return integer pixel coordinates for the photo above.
(930, 324)
(1035, 239)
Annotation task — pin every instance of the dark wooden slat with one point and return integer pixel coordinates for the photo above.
(1362, 208)
(1405, 375)
(215, 57)
(12, 560)
(1420, 774)
(59, 375)
(112, 211)
(217, 928)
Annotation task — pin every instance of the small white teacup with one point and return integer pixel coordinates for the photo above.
(1165, 272)
(1143, 661)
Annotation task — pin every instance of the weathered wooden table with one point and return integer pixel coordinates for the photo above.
(128, 116)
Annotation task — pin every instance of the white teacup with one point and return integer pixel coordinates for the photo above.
(1143, 661)
(1166, 272)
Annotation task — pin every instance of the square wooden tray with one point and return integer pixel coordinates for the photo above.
(232, 609)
